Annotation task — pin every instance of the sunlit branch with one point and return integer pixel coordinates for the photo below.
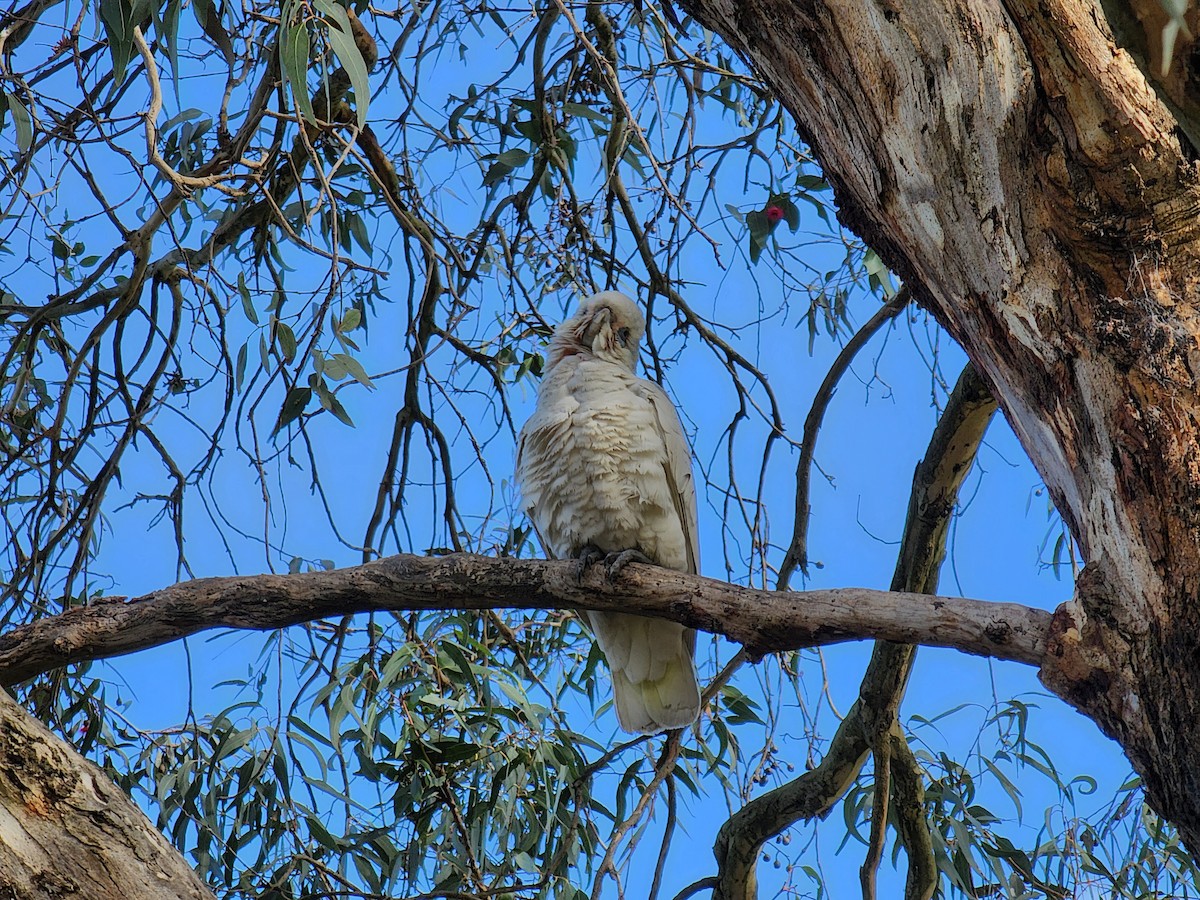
(182, 183)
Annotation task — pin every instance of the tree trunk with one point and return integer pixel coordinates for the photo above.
(1014, 166)
(67, 831)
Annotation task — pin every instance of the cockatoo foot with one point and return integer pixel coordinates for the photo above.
(588, 555)
(615, 562)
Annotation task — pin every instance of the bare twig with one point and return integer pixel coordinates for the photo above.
(796, 556)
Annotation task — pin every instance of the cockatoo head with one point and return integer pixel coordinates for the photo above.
(608, 325)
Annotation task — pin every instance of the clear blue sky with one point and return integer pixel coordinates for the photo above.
(875, 432)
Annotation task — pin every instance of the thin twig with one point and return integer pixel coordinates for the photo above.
(797, 552)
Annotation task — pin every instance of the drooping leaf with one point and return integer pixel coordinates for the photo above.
(166, 25)
(240, 368)
(514, 157)
(117, 17)
(287, 341)
(496, 173)
(293, 404)
(760, 232)
(293, 62)
(330, 402)
(791, 214)
(354, 368)
(341, 38)
(23, 120)
(209, 20)
(878, 273)
(247, 302)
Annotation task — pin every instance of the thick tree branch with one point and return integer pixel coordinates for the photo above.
(763, 621)
(68, 831)
(912, 824)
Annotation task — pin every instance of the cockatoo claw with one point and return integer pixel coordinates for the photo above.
(588, 555)
(615, 562)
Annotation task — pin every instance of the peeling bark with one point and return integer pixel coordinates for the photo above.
(1015, 165)
(67, 831)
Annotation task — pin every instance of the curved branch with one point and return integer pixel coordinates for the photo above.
(912, 824)
(764, 621)
(797, 551)
(871, 724)
(938, 479)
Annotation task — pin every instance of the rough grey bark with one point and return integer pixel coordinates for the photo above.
(762, 621)
(67, 831)
(1014, 165)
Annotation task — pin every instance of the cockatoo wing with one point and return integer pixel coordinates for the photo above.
(654, 674)
(677, 467)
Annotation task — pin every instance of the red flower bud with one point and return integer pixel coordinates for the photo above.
(774, 214)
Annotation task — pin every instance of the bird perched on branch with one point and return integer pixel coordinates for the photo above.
(604, 469)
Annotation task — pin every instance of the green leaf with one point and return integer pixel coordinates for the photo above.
(354, 368)
(514, 158)
(293, 62)
(247, 303)
(630, 158)
(293, 404)
(168, 28)
(341, 39)
(759, 224)
(877, 273)
(118, 20)
(23, 120)
(358, 230)
(529, 129)
(333, 404)
(240, 370)
(760, 232)
(334, 370)
(812, 183)
(791, 214)
(209, 20)
(350, 320)
(584, 112)
(496, 173)
(287, 340)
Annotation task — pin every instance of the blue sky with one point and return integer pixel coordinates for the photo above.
(875, 432)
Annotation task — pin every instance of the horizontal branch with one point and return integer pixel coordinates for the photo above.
(763, 621)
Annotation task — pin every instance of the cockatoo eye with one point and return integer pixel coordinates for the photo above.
(623, 337)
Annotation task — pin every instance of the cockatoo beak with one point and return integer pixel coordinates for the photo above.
(599, 319)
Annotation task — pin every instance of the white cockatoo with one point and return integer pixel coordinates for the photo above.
(603, 466)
